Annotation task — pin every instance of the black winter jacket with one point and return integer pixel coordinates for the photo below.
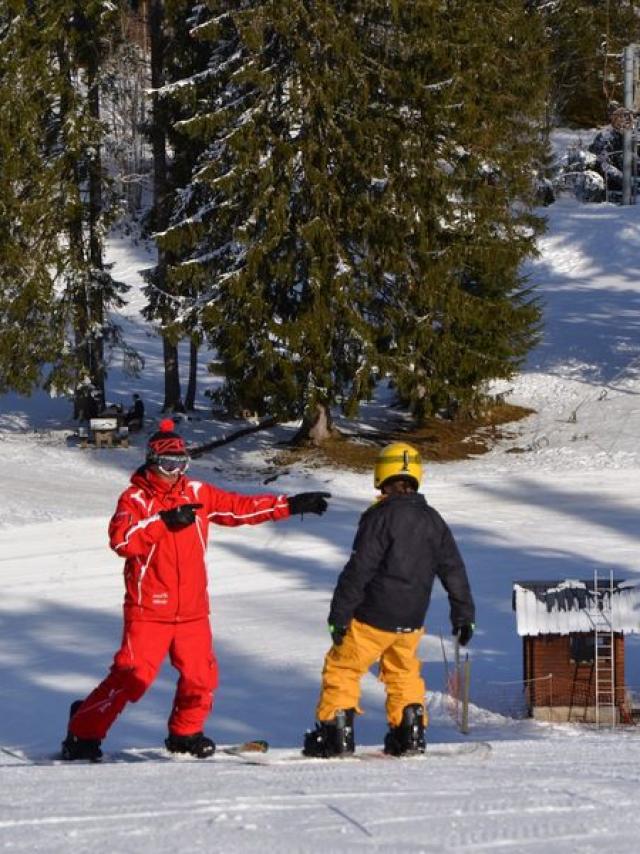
(401, 545)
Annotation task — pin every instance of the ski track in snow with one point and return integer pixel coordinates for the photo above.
(557, 498)
(509, 803)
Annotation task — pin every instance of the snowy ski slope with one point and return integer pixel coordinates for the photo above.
(564, 504)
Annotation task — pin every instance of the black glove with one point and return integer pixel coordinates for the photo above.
(309, 502)
(180, 517)
(464, 633)
(337, 633)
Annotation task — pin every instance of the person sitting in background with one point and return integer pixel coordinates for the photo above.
(94, 404)
(134, 417)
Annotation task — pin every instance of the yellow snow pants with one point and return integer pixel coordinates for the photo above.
(345, 665)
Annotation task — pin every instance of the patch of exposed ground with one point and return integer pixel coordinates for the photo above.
(438, 439)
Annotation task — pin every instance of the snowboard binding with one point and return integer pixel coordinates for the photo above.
(198, 745)
(331, 738)
(79, 748)
(408, 738)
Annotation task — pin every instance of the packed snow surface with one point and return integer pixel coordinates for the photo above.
(557, 498)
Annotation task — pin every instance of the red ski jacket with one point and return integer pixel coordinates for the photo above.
(165, 571)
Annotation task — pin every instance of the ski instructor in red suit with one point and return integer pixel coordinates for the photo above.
(160, 528)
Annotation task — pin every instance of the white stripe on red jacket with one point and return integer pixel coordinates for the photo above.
(165, 570)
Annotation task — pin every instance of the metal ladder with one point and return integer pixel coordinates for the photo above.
(600, 615)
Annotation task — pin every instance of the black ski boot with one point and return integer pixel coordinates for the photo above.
(80, 748)
(408, 738)
(331, 738)
(198, 744)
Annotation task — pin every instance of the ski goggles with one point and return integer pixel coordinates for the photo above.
(173, 464)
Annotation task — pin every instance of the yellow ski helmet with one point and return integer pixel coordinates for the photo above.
(397, 460)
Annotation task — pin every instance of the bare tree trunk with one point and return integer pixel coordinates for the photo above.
(86, 392)
(97, 367)
(172, 399)
(130, 66)
(190, 399)
(317, 426)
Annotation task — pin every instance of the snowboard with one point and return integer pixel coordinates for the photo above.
(443, 750)
(254, 752)
(14, 757)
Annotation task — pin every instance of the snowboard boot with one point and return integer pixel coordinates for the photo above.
(408, 738)
(198, 744)
(80, 748)
(331, 738)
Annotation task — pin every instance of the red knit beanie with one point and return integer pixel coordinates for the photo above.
(165, 442)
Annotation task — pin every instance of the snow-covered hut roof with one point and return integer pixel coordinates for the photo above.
(565, 607)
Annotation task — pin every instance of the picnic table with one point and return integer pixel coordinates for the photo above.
(106, 431)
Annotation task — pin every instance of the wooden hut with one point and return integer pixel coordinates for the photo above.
(573, 647)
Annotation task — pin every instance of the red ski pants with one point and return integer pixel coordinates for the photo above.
(145, 644)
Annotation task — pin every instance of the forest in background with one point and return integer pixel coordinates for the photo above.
(338, 191)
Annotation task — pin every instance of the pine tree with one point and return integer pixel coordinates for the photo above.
(29, 249)
(361, 199)
(461, 313)
(82, 39)
(584, 37)
(258, 230)
(59, 178)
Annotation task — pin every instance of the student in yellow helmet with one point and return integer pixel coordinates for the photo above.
(379, 606)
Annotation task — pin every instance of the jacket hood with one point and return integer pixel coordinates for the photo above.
(415, 498)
